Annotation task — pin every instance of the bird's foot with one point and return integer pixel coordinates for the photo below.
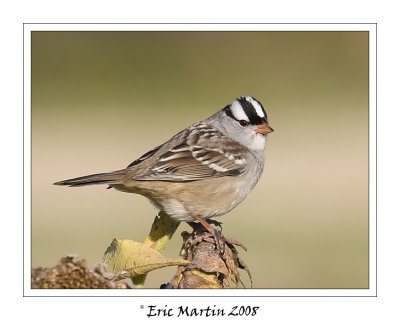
(218, 237)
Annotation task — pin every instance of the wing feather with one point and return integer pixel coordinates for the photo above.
(198, 158)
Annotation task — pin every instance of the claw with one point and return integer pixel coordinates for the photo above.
(215, 223)
(219, 238)
(219, 241)
(244, 266)
(222, 248)
(231, 241)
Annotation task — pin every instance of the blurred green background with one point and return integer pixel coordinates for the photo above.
(101, 99)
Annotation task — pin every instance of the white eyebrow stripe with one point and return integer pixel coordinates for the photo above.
(256, 106)
(238, 112)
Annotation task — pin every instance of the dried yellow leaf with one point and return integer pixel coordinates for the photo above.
(136, 257)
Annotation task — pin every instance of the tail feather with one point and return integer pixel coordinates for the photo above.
(114, 177)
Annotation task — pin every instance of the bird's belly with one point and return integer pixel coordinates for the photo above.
(188, 201)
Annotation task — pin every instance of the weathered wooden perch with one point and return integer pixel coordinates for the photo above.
(73, 273)
(203, 263)
(208, 267)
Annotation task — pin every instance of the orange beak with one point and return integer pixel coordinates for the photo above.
(264, 128)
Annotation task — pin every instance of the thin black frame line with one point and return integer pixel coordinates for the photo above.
(31, 141)
(23, 158)
(256, 288)
(376, 159)
(369, 178)
(86, 296)
(252, 289)
(310, 288)
(206, 23)
(196, 31)
(330, 288)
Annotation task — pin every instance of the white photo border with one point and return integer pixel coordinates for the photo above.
(371, 28)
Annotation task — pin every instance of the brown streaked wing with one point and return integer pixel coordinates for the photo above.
(190, 163)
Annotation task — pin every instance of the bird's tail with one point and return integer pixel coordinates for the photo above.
(114, 177)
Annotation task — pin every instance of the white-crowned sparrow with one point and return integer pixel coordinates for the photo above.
(203, 171)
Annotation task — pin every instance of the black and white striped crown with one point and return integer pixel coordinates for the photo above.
(248, 109)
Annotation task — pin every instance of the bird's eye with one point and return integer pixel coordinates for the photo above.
(243, 123)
